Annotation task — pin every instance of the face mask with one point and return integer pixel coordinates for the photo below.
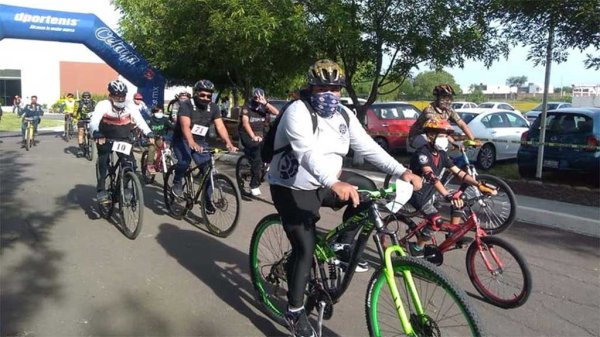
(201, 104)
(324, 103)
(119, 105)
(254, 105)
(441, 144)
(159, 115)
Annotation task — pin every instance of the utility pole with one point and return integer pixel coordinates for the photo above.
(540, 158)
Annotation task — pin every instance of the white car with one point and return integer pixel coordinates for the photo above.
(498, 106)
(500, 134)
(463, 105)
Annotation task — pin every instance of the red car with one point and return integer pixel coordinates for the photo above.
(389, 122)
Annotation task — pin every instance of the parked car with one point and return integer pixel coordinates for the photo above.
(499, 131)
(389, 122)
(498, 105)
(347, 101)
(463, 105)
(278, 103)
(532, 114)
(569, 126)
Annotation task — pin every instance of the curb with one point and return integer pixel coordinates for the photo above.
(539, 182)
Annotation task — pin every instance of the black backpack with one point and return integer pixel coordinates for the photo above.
(268, 149)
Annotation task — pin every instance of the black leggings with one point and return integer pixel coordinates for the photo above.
(252, 150)
(299, 211)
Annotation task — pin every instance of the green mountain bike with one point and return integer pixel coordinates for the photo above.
(405, 296)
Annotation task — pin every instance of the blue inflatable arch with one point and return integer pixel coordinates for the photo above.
(89, 30)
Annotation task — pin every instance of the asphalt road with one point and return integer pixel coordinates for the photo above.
(66, 272)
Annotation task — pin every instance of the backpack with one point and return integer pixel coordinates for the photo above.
(268, 150)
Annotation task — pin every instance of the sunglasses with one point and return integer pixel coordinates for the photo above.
(137, 99)
(200, 95)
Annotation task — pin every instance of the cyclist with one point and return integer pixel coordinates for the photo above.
(428, 161)
(173, 106)
(254, 120)
(68, 108)
(441, 107)
(189, 139)
(309, 175)
(112, 119)
(160, 126)
(31, 110)
(138, 102)
(85, 106)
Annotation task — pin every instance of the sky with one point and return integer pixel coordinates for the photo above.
(564, 74)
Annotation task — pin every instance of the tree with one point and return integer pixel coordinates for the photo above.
(516, 81)
(391, 38)
(427, 80)
(231, 42)
(476, 94)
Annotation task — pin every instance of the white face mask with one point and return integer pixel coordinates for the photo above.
(119, 105)
(441, 144)
(159, 115)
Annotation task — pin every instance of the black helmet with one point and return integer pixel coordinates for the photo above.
(326, 72)
(117, 88)
(258, 92)
(86, 95)
(443, 90)
(204, 85)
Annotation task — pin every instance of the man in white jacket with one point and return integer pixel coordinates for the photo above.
(309, 174)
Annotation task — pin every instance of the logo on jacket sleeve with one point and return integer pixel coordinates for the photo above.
(423, 159)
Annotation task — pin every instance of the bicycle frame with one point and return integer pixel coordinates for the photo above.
(209, 173)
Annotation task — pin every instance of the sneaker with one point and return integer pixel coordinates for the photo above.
(102, 197)
(255, 191)
(343, 251)
(299, 324)
(178, 189)
(415, 250)
(210, 208)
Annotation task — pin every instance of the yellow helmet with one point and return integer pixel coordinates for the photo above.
(326, 72)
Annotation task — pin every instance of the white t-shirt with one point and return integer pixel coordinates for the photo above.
(316, 158)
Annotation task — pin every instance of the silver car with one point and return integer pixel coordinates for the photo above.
(532, 114)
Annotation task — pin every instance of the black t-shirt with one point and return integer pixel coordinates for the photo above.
(424, 157)
(258, 120)
(201, 117)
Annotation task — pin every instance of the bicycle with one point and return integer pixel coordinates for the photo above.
(218, 196)
(88, 141)
(243, 175)
(68, 127)
(492, 274)
(419, 299)
(496, 213)
(162, 163)
(29, 133)
(124, 188)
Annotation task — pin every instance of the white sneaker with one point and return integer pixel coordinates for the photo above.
(255, 192)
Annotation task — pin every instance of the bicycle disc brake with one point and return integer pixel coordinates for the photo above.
(424, 326)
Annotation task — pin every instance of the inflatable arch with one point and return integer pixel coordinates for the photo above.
(88, 29)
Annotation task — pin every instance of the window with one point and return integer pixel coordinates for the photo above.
(486, 105)
(505, 107)
(567, 123)
(466, 116)
(389, 111)
(516, 121)
(494, 121)
(10, 85)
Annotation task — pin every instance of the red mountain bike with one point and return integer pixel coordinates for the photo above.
(495, 267)
(164, 160)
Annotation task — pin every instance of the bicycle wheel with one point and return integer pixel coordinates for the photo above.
(243, 175)
(222, 210)
(495, 213)
(28, 140)
(146, 175)
(177, 206)
(131, 205)
(445, 306)
(269, 251)
(106, 209)
(89, 148)
(508, 284)
(68, 129)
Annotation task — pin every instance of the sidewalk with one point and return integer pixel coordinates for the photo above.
(549, 213)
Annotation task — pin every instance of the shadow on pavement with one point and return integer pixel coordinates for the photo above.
(224, 269)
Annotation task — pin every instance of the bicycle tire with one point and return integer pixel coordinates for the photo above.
(519, 290)
(89, 148)
(148, 177)
(68, 128)
(439, 296)
(28, 139)
(243, 175)
(225, 198)
(176, 206)
(106, 210)
(131, 198)
(496, 213)
(264, 254)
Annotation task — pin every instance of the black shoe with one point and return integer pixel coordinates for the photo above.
(414, 249)
(299, 324)
(463, 242)
(210, 208)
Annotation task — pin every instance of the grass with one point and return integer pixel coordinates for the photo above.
(12, 122)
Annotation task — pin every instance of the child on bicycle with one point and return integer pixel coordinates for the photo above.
(160, 126)
(429, 162)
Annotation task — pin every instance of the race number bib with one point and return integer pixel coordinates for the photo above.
(199, 130)
(122, 147)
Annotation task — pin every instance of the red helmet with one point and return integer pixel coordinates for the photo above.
(138, 96)
(438, 125)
